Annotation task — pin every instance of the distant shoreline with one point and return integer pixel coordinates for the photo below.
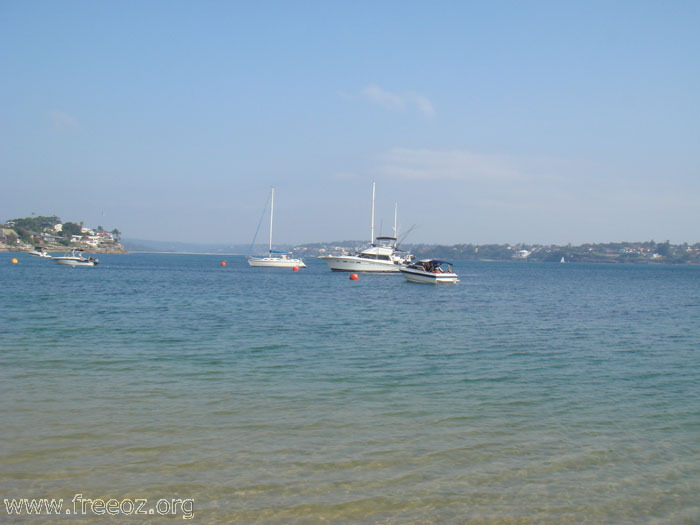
(648, 252)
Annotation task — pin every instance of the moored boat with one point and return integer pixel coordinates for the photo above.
(430, 271)
(40, 251)
(381, 256)
(275, 258)
(76, 259)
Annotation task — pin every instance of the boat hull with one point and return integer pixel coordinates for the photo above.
(419, 276)
(275, 262)
(73, 262)
(358, 264)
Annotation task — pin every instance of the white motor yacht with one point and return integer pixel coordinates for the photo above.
(431, 271)
(40, 252)
(382, 255)
(76, 259)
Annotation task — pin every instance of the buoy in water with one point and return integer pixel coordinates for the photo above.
(223, 263)
(354, 277)
(14, 261)
(296, 268)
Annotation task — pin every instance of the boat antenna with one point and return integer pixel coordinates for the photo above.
(371, 230)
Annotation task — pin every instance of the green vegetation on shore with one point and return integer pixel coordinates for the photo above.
(52, 233)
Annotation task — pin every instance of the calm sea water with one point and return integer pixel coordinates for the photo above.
(527, 393)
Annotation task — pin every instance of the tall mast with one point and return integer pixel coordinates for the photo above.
(371, 231)
(272, 212)
(396, 224)
(396, 214)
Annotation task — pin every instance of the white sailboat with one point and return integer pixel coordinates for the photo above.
(380, 256)
(275, 258)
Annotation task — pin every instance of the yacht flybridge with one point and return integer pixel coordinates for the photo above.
(382, 255)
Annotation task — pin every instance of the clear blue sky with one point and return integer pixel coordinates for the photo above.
(542, 122)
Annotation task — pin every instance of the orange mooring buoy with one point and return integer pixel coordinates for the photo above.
(14, 261)
(223, 263)
(354, 277)
(296, 268)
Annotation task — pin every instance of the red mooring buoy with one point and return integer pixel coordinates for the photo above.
(223, 263)
(296, 268)
(354, 277)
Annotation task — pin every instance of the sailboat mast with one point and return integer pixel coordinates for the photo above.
(396, 224)
(272, 212)
(396, 215)
(371, 230)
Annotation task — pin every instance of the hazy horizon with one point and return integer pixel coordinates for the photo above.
(260, 245)
(488, 123)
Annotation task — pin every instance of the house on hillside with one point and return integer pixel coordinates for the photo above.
(9, 236)
(49, 237)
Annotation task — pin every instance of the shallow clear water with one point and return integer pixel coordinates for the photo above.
(528, 393)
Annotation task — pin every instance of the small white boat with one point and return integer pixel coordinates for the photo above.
(381, 256)
(76, 259)
(275, 258)
(431, 271)
(40, 252)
